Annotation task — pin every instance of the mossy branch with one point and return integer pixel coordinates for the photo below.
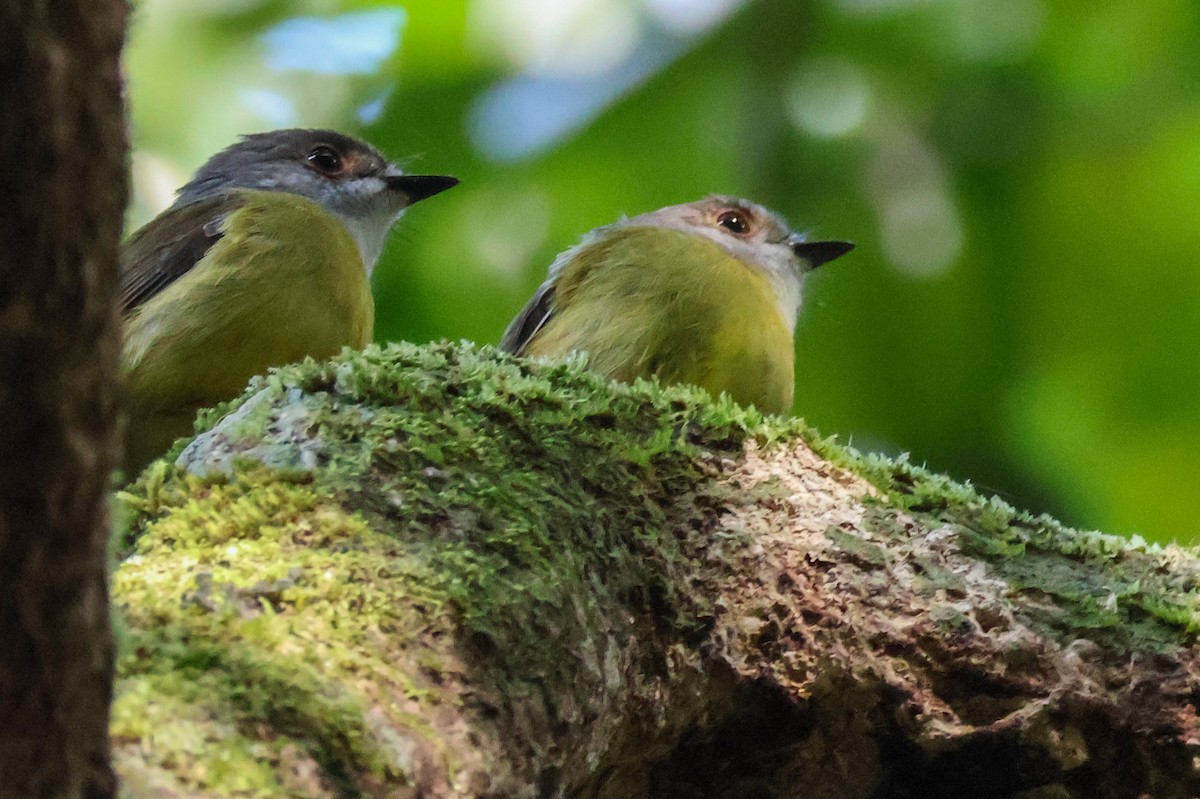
(461, 574)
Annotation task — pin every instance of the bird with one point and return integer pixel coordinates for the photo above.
(263, 258)
(704, 293)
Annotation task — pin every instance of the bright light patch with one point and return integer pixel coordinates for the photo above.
(370, 112)
(691, 16)
(522, 116)
(829, 97)
(574, 58)
(154, 182)
(273, 108)
(561, 38)
(349, 44)
(995, 30)
(508, 227)
(921, 230)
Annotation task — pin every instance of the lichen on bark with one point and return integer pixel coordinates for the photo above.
(463, 574)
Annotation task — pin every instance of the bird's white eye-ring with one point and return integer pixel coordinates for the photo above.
(325, 159)
(734, 221)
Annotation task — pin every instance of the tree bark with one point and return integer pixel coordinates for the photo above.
(465, 575)
(62, 196)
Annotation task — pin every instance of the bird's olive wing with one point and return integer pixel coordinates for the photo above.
(168, 246)
(533, 317)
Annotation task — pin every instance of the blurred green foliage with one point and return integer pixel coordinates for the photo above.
(1022, 178)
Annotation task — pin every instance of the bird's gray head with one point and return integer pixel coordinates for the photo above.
(752, 234)
(344, 175)
(749, 231)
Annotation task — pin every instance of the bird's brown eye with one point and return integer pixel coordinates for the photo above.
(734, 221)
(325, 159)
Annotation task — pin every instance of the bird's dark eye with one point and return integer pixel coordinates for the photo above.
(734, 221)
(325, 159)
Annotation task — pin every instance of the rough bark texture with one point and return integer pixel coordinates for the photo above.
(62, 196)
(464, 575)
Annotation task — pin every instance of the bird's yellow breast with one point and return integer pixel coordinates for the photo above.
(645, 301)
(284, 281)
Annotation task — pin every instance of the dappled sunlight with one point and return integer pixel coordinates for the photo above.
(523, 115)
(561, 38)
(922, 234)
(829, 97)
(572, 59)
(357, 43)
(508, 225)
(691, 16)
(998, 31)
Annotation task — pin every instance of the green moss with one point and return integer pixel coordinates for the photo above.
(171, 718)
(508, 502)
(227, 576)
(1124, 592)
(520, 501)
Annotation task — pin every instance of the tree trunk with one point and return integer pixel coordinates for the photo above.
(62, 196)
(465, 575)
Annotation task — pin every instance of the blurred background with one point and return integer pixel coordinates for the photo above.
(1022, 178)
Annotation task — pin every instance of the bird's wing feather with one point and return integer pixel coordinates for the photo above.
(533, 317)
(571, 264)
(163, 250)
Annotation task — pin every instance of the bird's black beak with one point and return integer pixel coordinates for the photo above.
(819, 252)
(418, 187)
